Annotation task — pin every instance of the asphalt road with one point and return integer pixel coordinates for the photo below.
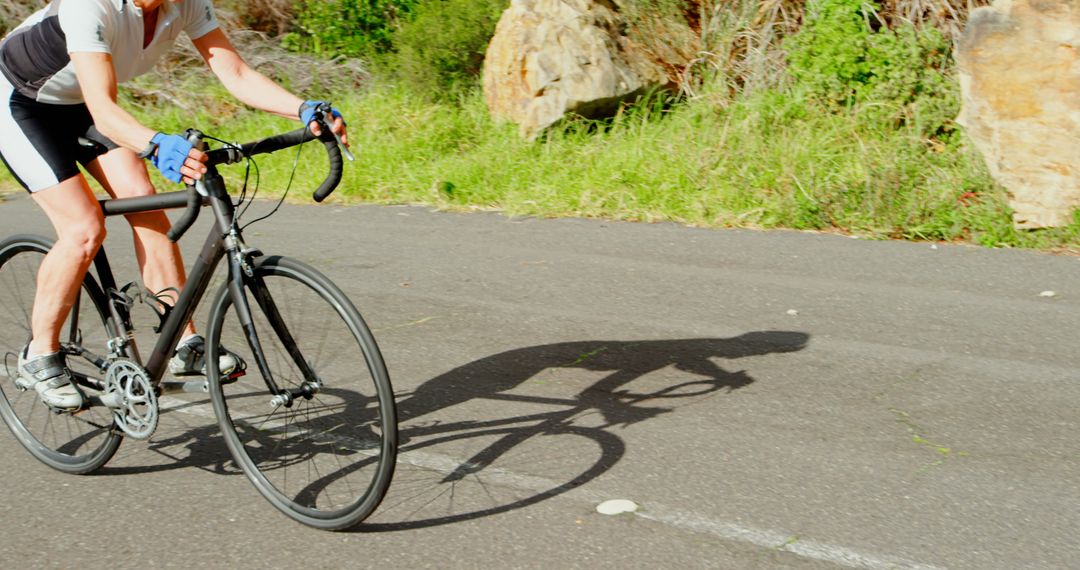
(769, 399)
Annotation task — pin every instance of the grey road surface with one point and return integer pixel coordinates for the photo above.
(769, 399)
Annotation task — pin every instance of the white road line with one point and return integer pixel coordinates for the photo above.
(807, 548)
(686, 521)
(771, 539)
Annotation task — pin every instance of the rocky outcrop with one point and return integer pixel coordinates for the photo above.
(553, 57)
(1020, 78)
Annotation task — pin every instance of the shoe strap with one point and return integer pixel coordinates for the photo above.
(191, 351)
(47, 367)
(58, 382)
(195, 343)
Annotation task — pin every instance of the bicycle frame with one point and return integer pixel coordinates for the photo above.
(223, 240)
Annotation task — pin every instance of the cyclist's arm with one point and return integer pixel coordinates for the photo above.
(249, 86)
(97, 80)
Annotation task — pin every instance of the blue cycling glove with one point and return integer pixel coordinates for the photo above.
(172, 151)
(308, 109)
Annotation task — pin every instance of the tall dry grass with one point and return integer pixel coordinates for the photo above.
(741, 41)
(14, 11)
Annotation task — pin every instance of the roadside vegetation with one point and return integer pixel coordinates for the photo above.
(830, 115)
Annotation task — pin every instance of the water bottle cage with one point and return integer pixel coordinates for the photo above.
(130, 293)
(158, 303)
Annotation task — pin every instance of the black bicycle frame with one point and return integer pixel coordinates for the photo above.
(224, 238)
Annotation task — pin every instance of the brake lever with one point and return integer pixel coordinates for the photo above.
(327, 120)
(344, 149)
(195, 137)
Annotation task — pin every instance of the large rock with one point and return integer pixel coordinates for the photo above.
(553, 57)
(1020, 77)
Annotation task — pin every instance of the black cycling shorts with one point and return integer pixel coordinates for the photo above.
(39, 142)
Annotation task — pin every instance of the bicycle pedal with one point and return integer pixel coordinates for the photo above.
(233, 377)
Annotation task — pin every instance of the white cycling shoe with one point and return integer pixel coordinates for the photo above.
(190, 359)
(49, 376)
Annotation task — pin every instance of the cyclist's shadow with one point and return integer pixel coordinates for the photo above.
(517, 460)
(588, 448)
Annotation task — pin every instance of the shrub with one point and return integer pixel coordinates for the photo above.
(441, 48)
(353, 28)
(844, 55)
(828, 56)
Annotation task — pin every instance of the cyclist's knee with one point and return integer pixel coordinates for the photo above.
(130, 185)
(85, 237)
(156, 222)
(138, 186)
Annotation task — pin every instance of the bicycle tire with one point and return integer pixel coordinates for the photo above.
(76, 443)
(327, 461)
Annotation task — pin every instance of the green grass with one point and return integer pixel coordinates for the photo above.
(766, 161)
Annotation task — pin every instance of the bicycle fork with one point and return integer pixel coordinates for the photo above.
(242, 277)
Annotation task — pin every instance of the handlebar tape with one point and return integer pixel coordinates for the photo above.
(293, 138)
(333, 177)
(194, 201)
(277, 142)
(194, 204)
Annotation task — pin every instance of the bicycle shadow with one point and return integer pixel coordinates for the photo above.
(535, 429)
(513, 462)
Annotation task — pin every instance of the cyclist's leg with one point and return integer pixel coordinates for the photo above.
(123, 175)
(80, 229)
(38, 145)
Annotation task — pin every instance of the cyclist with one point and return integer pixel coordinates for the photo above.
(60, 70)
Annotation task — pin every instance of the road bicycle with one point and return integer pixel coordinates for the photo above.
(309, 415)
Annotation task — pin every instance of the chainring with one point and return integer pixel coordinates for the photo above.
(127, 384)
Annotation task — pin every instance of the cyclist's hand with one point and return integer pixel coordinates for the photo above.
(177, 159)
(307, 116)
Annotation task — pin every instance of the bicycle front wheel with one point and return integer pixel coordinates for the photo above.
(324, 460)
(78, 442)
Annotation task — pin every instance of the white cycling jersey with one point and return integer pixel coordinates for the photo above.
(35, 56)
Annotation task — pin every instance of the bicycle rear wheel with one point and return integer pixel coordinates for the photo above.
(78, 442)
(325, 461)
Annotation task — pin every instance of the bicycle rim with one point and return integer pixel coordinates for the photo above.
(74, 443)
(325, 461)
